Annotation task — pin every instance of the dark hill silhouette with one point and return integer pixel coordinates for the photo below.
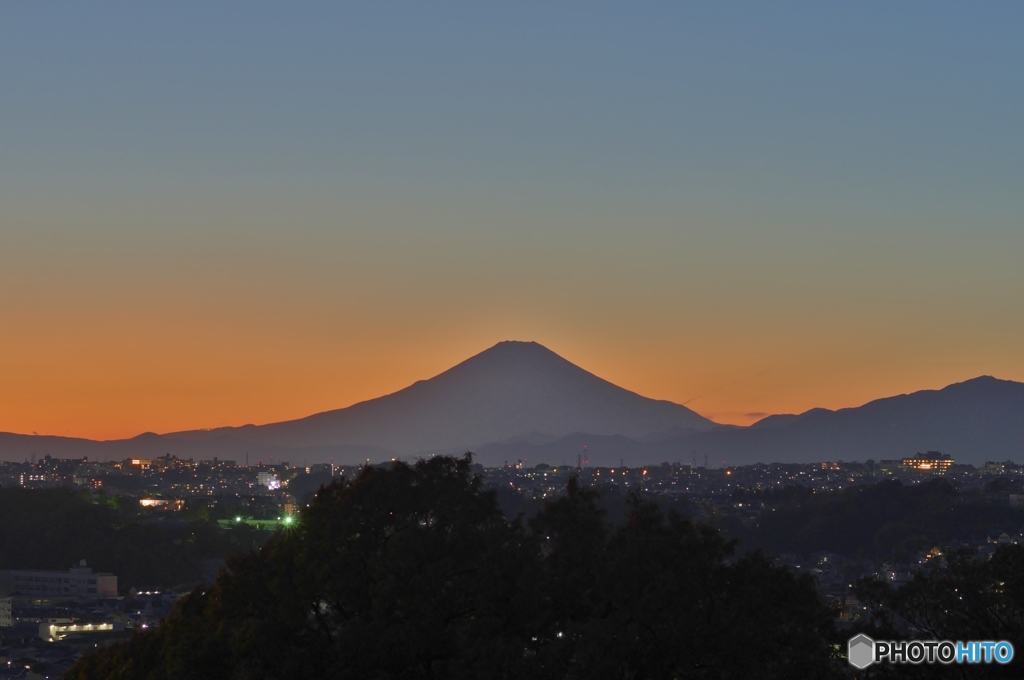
(974, 421)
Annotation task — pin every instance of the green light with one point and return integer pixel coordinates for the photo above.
(288, 520)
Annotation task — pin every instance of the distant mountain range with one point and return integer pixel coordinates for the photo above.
(519, 400)
(974, 421)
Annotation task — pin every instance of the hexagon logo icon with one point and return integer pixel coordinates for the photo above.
(860, 651)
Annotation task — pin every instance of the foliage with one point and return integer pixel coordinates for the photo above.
(413, 572)
(304, 485)
(966, 599)
(56, 528)
(887, 520)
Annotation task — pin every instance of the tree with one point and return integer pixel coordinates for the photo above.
(413, 572)
(965, 599)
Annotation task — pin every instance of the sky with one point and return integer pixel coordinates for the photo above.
(246, 212)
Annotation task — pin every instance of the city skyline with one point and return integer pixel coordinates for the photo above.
(214, 217)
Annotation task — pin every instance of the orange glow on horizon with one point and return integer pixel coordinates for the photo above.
(120, 393)
(200, 242)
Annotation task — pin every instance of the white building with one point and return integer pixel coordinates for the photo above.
(78, 581)
(56, 630)
(268, 479)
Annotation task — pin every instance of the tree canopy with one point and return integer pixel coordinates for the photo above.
(413, 572)
(966, 598)
(55, 528)
(886, 520)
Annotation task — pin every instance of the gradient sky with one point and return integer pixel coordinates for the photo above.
(221, 213)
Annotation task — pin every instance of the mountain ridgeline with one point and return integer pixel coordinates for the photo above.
(520, 400)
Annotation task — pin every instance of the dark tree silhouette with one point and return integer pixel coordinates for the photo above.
(966, 599)
(55, 528)
(413, 572)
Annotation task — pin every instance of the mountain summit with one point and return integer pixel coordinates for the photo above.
(513, 389)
